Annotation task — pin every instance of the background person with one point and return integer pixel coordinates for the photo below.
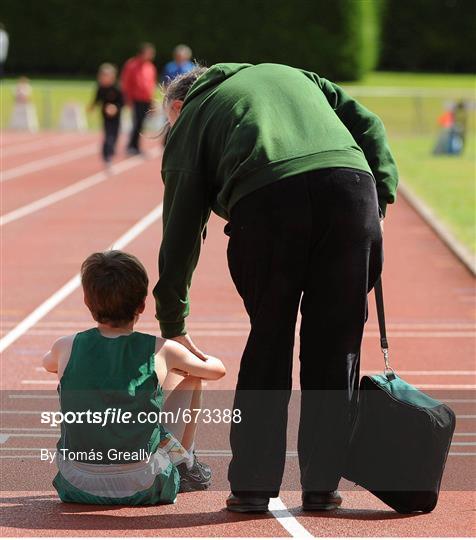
(4, 42)
(139, 82)
(109, 97)
(181, 63)
(301, 172)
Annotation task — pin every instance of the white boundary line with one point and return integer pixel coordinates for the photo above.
(240, 325)
(416, 384)
(32, 146)
(445, 235)
(435, 373)
(287, 520)
(70, 286)
(73, 189)
(45, 163)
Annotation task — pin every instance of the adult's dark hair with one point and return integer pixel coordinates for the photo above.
(179, 87)
(115, 286)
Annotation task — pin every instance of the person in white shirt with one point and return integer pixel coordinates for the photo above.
(4, 40)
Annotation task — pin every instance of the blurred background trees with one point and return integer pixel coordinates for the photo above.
(339, 39)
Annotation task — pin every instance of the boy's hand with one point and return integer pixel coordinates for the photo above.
(110, 109)
(187, 342)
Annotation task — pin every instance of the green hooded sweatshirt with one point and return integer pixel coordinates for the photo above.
(242, 127)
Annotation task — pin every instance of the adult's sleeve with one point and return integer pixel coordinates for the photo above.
(185, 215)
(369, 133)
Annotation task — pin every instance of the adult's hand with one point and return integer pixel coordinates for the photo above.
(187, 342)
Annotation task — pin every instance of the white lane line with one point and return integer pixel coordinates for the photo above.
(431, 372)
(33, 396)
(244, 325)
(72, 189)
(244, 333)
(45, 163)
(463, 444)
(201, 453)
(36, 145)
(70, 286)
(445, 386)
(35, 435)
(28, 429)
(434, 373)
(287, 520)
(17, 140)
(421, 386)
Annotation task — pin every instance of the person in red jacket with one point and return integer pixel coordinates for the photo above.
(138, 82)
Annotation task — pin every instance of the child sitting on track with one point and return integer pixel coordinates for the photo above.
(110, 97)
(111, 372)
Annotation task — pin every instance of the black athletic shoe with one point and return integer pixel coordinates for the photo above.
(247, 505)
(197, 478)
(320, 500)
(207, 470)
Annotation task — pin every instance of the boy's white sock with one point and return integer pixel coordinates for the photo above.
(191, 458)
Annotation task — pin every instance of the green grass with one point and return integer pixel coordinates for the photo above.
(447, 184)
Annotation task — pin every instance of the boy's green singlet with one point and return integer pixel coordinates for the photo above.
(102, 460)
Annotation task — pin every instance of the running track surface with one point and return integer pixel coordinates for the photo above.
(430, 304)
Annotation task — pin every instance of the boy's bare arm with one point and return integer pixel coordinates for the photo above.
(56, 359)
(179, 359)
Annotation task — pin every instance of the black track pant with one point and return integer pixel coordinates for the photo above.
(315, 236)
(139, 112)
(111, 132)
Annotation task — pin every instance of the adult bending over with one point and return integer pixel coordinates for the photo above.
(302, 173)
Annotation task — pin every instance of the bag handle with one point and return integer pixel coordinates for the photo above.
(378, 290)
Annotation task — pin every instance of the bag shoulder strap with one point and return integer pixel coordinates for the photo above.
(378, 290)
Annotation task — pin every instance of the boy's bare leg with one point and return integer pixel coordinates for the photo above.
(183, 393)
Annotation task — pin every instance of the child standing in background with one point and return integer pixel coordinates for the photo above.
(109, 96)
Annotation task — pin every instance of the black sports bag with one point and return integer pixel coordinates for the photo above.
(401, 437)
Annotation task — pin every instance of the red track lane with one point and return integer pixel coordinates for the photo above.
(429, 303)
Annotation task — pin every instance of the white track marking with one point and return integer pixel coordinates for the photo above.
(200, 453)
(287, 520)
(417, 385)
(36, 145)
(72, 189)
(445, 386)
(243, 325)
(434, 373)
(32, 396)
(244, 333)
(18, 141)
(45, 163)
(75, 282)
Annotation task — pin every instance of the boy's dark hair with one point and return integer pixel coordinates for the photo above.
(115, 286)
